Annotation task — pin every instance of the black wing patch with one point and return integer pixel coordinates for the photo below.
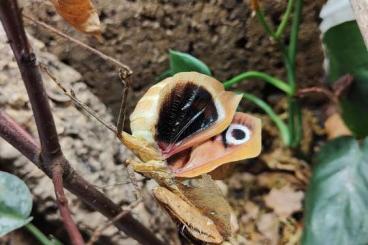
(186, 110)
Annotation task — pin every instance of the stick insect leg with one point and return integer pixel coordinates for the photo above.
(76, 101)
(124, 75)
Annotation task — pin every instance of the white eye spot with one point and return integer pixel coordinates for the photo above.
(237, 134)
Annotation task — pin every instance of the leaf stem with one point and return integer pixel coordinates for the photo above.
(283, 86)
(295, 31)
(284, 20)
(261, 17)
(38, 234)
(283, 129)
(295, 115)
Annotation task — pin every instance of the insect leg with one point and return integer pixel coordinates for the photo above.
(76, 101)
(125, 82)
(156, 170)
(134, 181)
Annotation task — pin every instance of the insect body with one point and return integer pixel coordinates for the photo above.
(189, 121)
(184, 127)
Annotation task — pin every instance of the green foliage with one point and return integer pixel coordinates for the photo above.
(337, 198)
(345, 50)
(182, 62)
(347, 53)
(291, 134)
(15, 203)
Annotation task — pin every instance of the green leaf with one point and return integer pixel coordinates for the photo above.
(347, 54)
(345, 50)
(180, 62)
(337, 198)
(354, 105)
(15, 203)
(162, 76)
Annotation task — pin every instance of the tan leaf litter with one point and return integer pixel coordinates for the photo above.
(284, 201)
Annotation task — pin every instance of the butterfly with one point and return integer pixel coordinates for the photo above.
(183, 128)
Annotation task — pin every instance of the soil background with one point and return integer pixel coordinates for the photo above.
(229, 39)
(224, 34)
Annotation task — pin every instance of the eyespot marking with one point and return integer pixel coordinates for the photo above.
(237, 134)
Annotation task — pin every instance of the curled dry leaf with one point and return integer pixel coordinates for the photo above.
(284, 201)
(81, 14)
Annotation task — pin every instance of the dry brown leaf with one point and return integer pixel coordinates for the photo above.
(269, 225)
(81, 14)
(335, 126)
(282, 158)
(276, 180)
(284, 201)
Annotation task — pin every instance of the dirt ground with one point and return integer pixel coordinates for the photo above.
(228, 38)
(223, 34)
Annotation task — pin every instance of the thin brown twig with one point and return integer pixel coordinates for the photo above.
(57, 179)
(79, 43)
(49, 154)
(319, 90)
(21, 140)
(98, 232)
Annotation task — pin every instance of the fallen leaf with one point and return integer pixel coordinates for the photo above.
(284, 201)
(251, 212)
(268, 224)
(336, 127)
(81, 14)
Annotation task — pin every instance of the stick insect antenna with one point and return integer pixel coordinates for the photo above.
(77, 102)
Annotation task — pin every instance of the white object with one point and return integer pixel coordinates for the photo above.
(361, 12)
(335, 12)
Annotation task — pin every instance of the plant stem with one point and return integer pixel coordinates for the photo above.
(295, 115)
(283, 86)
(283, 129)
(294, 129)
(284, 20)
(38, 234)
(295, 31)
(266, 26)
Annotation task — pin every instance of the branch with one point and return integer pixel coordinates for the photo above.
(21, 140)
(57, 179)
(317, 90)
(50, 148)
(97, 233)
(49, 157)
(26, 60)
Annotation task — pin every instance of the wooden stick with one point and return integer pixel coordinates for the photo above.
(49, 157)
